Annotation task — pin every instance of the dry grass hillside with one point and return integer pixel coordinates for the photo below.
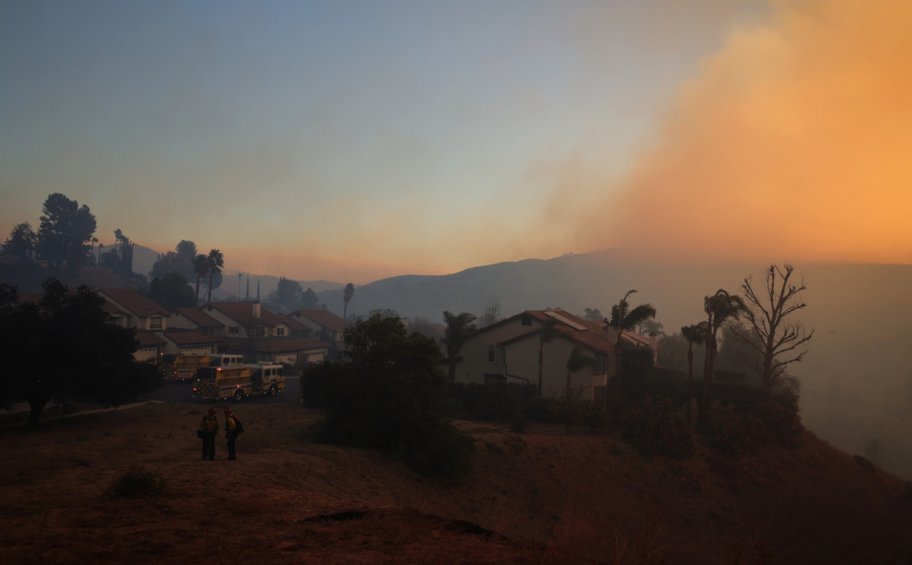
(544, 496)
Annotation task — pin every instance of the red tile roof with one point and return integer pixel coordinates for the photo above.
(324, 318)
(133, 302)
(199, 317)
(185, 338)
(149, 339)
(242, 312)
(584, 332)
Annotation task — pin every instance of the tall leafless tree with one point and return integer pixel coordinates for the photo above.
(778, 340)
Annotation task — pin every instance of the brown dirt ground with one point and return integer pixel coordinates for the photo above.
(546, 496)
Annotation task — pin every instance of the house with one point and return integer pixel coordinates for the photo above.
(192, 318)
(325, 325)
(189, 342)
(292, 351)
(151, 347)
(508, 351)
(131, 309)
(246, 319)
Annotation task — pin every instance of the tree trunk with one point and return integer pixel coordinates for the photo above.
(690, 380)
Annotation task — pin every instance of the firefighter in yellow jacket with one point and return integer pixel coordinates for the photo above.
(209, 426)
(231, 433)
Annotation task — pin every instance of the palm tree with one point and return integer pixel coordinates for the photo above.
(200, 269)
(719, 308)
(624, 319)
(347, 295)
(546, 333)
(577, 361)
(215, 261)
(693, 334)
(458, 329)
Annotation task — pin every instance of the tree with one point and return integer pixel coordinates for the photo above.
(546, 333)
(172, 291)
(66, 345)
(21, 243)
(181, 260)
(120, 259)
(215, 262)
(624, 319)
(200, 270)
(458, 329)
(720, 308)
(288, 294)
(694, 335)
(577, 361)
(491, 315)
(63, 233)
(777, 340)
(593, 315)
(347, 295)
(388, 392)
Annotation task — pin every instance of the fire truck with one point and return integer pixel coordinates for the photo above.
(237, 381)
(184, 366)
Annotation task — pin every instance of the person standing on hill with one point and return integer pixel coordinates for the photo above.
(209, 426)
(232, 430)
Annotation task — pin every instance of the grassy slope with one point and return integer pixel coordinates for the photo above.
(541, 496)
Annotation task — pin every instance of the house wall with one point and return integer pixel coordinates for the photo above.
(146, 354)
(521, 359)
(228, 323)
(475, 363)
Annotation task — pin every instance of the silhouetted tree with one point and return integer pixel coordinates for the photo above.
(593, 315)
(694, 335)
(66, 345)
(459, 328)
(778, 341)
(577, 361)
(200, 270)
(719, 308)
(181, 260)
(624, 319)
(172, 291)
(64, 231)
(287, 294)
(347, 295)
(22, 242)
(215, 262)
(491, 315)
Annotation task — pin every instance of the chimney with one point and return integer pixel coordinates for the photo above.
(654, 345)
(257, 310)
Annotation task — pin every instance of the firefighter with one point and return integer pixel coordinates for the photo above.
(209, 426)
(231, 433)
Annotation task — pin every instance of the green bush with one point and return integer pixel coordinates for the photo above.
(137, 482)
(654, 428)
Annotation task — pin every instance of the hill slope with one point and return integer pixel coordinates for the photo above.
(545, 496)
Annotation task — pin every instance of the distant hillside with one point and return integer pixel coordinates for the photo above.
(857, 376)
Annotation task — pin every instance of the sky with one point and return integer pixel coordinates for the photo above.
(351, 141)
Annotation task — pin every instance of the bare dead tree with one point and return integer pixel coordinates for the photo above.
(778, 340)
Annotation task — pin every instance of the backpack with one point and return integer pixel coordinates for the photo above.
(238, 427)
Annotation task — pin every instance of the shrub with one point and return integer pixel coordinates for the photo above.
(654, 428)
(137, 482)
(389, 393)
(774, 419)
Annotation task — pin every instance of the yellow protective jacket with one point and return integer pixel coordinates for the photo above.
(209, 424)
(230, 425)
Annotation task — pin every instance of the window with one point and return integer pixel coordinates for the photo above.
(280, 331)
(261, 331)
(492, 354)
(155, 323)
(526, 320)
(234, 330)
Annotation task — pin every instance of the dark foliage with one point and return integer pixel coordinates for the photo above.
(172, 291)
(494, 402)
(65, 345)
(655, 428)
(63, 233)
(137, 482)
(389, 393)
(773, 420)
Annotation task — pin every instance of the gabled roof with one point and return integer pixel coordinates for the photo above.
(242, 313)
(584, 332)
(149, 339)
(187, 338)
(133, 302)
(199, 317)
(323, 318)
(276, 345)
(293, 324)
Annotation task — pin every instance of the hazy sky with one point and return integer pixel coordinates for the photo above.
(355, 140)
